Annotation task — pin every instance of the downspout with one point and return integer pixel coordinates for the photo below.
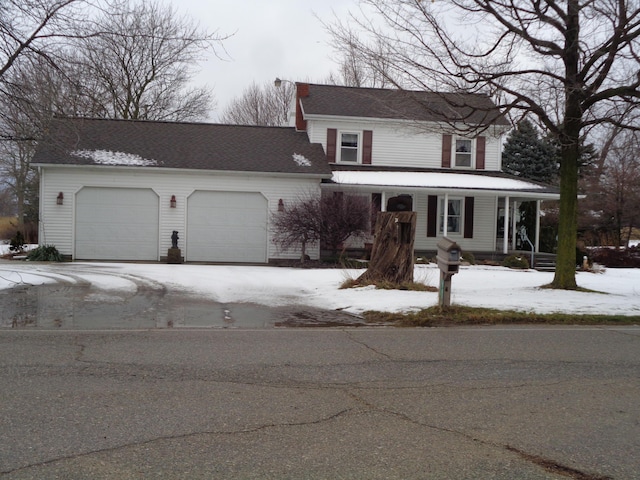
(537, 235)
(445, 219)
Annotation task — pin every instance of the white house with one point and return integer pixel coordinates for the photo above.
(117, 189)
(420, 148)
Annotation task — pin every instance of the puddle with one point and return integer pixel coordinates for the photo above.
(72, 306)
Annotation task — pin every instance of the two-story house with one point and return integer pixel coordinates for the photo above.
(438, 154)
(117, 189)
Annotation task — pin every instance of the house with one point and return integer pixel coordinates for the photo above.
(117, 189)
(421, 151)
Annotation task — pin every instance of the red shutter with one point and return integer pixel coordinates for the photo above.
(432, 215)
(367, 141)
(446, 151)
(468, 217)
(480, 149)
(332, 135)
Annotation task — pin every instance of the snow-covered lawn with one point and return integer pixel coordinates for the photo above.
(483, 286)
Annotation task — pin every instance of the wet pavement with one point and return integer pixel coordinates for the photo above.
(83, 306)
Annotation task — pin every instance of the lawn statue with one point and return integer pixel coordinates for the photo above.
(174, 239)
(174, 255)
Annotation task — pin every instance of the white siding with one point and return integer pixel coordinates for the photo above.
(57, 221)
(401, 145)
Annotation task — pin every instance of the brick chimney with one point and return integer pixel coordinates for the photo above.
(302, 90)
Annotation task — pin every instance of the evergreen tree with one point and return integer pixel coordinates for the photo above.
(529, 156)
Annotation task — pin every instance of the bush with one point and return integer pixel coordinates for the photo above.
(17, 242)
(469, 258)
(612, 258)
(515, 261)
(44, 253)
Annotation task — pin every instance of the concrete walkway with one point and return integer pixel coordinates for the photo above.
(348, 403)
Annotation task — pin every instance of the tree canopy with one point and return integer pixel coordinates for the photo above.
(527, 155)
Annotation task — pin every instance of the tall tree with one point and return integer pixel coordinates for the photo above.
(266, 105)
(527, 155)
(138, 63)
(572, 64)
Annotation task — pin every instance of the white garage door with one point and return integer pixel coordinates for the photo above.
(227, 227)
(116, 224)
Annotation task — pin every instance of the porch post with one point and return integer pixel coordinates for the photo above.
(383, 201)
(537, 240)
(513, 224)
(445, 219)
(505, 236)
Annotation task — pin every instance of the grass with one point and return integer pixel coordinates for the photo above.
(383, 285)
(459, 315)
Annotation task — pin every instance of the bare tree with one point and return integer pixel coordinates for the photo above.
(267, 105)
(572, 64)
(138, 62)
(330, 219)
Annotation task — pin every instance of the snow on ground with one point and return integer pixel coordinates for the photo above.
(483, 286)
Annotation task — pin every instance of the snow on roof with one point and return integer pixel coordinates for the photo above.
(107, 157)
(431, 180)
(301, 160)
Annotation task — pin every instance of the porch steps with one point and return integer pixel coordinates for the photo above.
(545, 262)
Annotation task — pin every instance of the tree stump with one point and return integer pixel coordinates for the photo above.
(392, 252)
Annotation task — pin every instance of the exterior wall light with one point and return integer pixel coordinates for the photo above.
(172, 202)
(280, 205)
(60, 199)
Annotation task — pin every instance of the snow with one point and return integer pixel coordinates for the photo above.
(301, 160)
(432, 180)
(482, 286)
(107, 157)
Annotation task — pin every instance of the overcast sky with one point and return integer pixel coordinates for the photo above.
(277, 38)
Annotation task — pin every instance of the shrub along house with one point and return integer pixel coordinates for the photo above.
(418, 151)
(117, 189)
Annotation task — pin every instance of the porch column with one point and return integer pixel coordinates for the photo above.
(513, 225)
(537, 240)
(383, 201)
(445, 219)
(505, 236)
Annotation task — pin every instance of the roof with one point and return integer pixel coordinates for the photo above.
(343, 101)
(198, 146)
(438, 179)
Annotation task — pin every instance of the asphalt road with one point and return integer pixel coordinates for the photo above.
(344, 403)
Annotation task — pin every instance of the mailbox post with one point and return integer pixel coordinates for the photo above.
(448, 262)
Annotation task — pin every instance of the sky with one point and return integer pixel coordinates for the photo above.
(279, 38)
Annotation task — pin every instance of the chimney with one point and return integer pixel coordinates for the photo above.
(302, 90)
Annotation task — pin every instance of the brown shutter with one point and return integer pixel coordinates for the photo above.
(432, 215)
(480, 149)
(468, 217)
(332, 135)
(446, 151)
(367, 141)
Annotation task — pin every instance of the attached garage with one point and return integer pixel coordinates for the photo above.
(227, 227)
(116, 224)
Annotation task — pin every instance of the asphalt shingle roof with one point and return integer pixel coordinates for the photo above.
(199, 146)
(401, 104)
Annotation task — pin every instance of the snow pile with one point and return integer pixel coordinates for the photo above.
(301, 160)
(107, 157)
(480, 286)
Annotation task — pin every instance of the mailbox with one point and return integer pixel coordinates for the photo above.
(448, 256)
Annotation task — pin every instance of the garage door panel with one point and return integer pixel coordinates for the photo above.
(116, 224)
(227, 227)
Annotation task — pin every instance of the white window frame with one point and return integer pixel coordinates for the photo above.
(472, 153)
(358, 147)
(460, 216)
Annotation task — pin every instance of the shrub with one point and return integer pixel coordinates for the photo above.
(469, 258)
(515, 261)
(17, 242)
(612, 258)
(44, 253)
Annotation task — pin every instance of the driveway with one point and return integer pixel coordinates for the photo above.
(352, 403)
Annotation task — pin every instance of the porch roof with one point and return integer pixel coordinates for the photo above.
(488, 183)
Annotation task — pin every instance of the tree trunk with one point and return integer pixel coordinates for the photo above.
(392, 252)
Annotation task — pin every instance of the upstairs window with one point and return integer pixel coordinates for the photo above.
(349, 147)
(463, 153)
